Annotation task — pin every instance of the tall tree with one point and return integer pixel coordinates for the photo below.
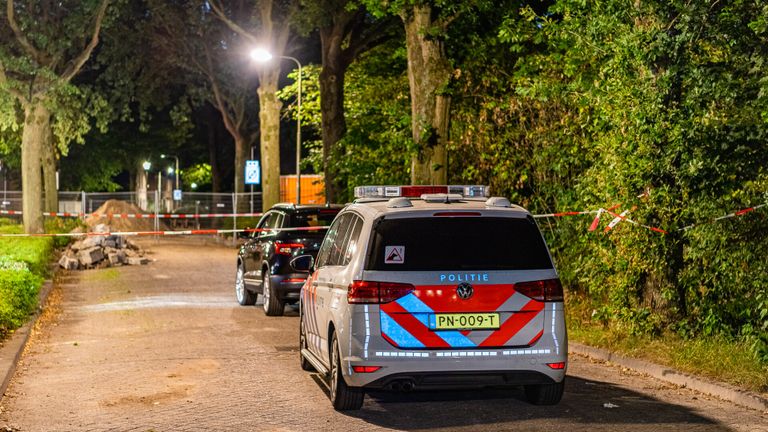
(426, 24)
(267, 25)
(346, 31)
(45, 45)
(195, 42)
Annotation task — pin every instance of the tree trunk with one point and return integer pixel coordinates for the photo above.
(213, 152)
(242, 146)
(51, 194)
(37, 125)
(269, 119)
(334, 124)
(141, 186)
(428, 74)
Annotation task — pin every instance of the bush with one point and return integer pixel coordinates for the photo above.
(18, 294)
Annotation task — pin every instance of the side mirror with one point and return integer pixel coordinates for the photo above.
(244, 234)
(303, 263)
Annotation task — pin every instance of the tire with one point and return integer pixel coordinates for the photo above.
(243, 296)
(272, 305)
(343, 397)
(545, 394)
(305, 364)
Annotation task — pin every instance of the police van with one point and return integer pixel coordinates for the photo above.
(432, 287)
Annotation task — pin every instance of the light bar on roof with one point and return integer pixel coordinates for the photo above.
(465, 191)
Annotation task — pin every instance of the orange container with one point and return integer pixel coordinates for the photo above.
(312, 189)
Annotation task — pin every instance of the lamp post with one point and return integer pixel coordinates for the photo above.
(262, 56)
(163, 156)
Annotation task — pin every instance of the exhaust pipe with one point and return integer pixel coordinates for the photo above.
(402, 385)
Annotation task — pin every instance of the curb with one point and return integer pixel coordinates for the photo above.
(720, 390)
(10, 351)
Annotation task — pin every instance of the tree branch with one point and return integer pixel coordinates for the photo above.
(36, 54)
(4, 81)
(229, 123)
(76, 64)
(218, 10)
(361, 41)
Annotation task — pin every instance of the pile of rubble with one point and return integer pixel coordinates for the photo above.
(102, 251)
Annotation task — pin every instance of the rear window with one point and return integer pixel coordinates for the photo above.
(311, 218)
(452, 243)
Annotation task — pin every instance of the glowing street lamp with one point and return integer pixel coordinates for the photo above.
(261, 55)
(146, 165)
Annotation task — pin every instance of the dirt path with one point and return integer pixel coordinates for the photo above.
(165, 347)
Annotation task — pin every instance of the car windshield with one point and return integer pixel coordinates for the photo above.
(453, 243)
(313, 217)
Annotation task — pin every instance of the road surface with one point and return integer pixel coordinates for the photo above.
(165, 347)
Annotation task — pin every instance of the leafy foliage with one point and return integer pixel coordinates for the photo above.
(377, 148)
(602, 103)
(18, 294)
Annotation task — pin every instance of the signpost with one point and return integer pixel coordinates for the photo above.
(252, 172)
(252, 175)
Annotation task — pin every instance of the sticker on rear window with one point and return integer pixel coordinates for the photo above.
(394, 254)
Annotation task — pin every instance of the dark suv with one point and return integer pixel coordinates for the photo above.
(263, 262)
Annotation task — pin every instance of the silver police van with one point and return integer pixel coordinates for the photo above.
(432, 287)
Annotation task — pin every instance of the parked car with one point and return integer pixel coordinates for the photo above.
(429, 288)
(263, 261)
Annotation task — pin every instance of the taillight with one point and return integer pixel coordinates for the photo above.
(377, 292)
(560, 365)
(286, 248)
(365, 369)
(549, 290)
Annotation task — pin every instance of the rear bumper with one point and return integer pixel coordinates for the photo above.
(289, 285)
(458, 380)
(486, 369)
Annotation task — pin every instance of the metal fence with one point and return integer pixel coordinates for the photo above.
(191, 210)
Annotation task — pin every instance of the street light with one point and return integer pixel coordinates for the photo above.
(170, 170)
(146, 165)
(263, 56)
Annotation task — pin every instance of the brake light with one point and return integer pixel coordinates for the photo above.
(548, 290)
(457, 214)
(377, 292)
(560, 365)
(286, 248)
(365, 369)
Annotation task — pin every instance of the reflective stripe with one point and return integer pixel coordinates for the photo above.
(397, 333)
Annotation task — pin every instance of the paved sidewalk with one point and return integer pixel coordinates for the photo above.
(164, 347)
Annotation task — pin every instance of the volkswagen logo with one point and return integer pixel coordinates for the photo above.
(464, 290)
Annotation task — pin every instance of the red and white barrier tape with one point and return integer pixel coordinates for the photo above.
(141, 215)
(733, 214)
(167, 233)
(623, 216)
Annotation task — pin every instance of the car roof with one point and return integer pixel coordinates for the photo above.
(294, 207)
(373, 208)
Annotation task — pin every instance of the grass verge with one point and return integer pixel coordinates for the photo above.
(23, 268)
(717, 358)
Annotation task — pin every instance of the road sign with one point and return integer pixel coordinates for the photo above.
(252, 172)
(177, 194)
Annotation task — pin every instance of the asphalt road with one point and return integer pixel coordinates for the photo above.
(165, 347)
